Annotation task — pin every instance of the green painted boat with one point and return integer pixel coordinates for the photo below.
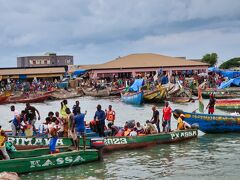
(22, 143)
(39, 159)
(134, 142)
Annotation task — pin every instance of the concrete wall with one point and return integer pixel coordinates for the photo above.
(39, 61)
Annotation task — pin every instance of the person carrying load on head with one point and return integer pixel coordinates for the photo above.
(211, 104)
(110, 114)
(3, 139)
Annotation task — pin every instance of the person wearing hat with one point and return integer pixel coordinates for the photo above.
(211, 104)
(180, 123)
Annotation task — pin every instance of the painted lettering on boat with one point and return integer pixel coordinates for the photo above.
(183, 134)
(109, 141)
(33, 141)
(54, 162)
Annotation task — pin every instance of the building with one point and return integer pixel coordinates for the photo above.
(49, 59)
(46, 73)
(147, 63)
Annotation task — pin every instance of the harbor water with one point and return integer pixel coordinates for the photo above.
(210, 156)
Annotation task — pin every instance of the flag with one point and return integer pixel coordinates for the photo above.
(200, 101)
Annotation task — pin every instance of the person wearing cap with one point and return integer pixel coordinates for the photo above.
(180, 123)
(99, 118)
(211, 104)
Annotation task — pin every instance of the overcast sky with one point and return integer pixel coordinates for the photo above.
(95, 31)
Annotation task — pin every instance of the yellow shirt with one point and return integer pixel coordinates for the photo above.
(2, 139)
(180, 125)
(63, 111)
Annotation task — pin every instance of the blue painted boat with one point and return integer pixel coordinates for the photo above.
(135, 98)
(211, 123)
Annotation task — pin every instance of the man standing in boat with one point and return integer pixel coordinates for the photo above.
(79, 126)
(211, 104)
(155, 118)
(75, 107)
(31, 115)
(166, 118)
(100, 117)
(110, 114)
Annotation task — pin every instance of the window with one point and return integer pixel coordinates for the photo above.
(45, 61)
(42, 61)
(34, 62)
(30, 62)
(48, 62)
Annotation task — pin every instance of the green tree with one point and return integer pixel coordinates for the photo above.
(211, 59)
(231, 63)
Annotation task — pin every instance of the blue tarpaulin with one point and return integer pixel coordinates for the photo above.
(138, 83)
(22, 76)
(213, 69)
(230, 74)
(235, 81)
(79, 72)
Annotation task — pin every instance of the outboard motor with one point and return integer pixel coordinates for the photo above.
(130, 123)
(195, 126)
(177, 113)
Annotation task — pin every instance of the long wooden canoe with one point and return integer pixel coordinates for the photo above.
(155, 96)
(96, 93)
(35, 99)
(211, 123)
(133, 142)
(228, 104)
(227, 93)
(23, 143)
(40, 159)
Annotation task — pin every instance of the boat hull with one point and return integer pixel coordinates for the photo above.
(214, 123)
(231, 104)
(99, 93)
(132, 98)
(134, 142)
(155, 96)
(48, 161)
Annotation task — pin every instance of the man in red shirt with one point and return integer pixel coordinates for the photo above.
(166, 118)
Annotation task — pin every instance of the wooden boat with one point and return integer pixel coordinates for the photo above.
(155, 96)
(231, 104)
(23, 143)
(180, 99)
(209, 123)
(34, 99)
(3, 98)
(40, 159)
(132, 97)
(227, 93)
(116, 91)
(96, 93)
(133, 142)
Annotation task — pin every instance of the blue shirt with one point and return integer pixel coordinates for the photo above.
(100, 115)
(79, 120)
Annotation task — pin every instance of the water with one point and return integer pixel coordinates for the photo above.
(207, 157)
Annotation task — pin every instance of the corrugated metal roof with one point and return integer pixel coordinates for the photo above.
(146, 60)
(29, 71)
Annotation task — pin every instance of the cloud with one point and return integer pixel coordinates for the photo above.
(99, 30)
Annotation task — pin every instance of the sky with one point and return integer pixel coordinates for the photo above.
(96, 31)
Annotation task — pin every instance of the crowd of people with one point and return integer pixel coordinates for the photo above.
(71, 123)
